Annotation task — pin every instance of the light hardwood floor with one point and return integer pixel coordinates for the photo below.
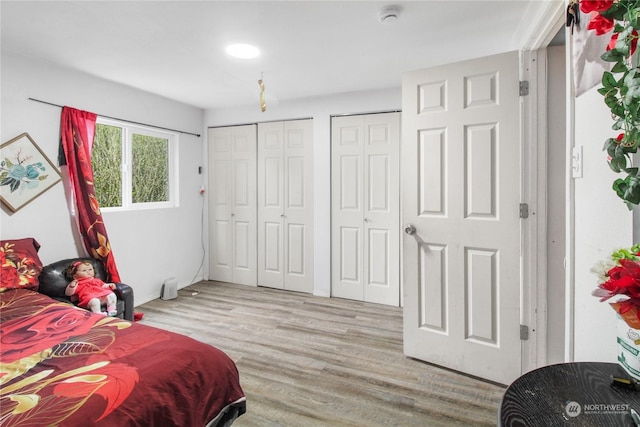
(314, 361)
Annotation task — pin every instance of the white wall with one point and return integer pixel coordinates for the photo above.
(556, 166)
(148, 245)
(320, 109)
(602, 223)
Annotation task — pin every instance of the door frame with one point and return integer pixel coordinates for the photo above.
(534, 185)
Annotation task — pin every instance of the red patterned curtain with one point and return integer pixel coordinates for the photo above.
(78, 128)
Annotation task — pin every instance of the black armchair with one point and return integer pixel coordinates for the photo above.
(53, 283)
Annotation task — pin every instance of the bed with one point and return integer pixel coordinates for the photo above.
(62, 365)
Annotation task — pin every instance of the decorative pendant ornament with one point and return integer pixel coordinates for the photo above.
(573, 14)
(263, 106)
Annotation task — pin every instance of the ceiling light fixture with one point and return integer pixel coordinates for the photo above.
(389, 14)
(243, 51)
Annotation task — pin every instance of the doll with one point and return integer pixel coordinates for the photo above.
(92, 292)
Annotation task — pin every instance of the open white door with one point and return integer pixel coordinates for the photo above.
(461, 183)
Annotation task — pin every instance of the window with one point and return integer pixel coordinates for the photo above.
(134, 167)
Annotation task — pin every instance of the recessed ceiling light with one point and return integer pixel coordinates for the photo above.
(244, 51)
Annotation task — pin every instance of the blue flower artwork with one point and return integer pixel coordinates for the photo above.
(25, 172)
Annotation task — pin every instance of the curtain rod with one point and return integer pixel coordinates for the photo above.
(122, 120)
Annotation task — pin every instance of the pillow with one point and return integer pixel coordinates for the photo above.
(21, 265)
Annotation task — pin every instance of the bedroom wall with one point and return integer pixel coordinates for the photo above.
(602, 223)
(320, 109)
(148, 245)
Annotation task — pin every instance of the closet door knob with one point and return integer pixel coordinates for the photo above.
(410, 229)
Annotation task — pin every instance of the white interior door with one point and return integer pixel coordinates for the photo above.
(271, 205)
(365, 208)
(461, 192)
(285, 205)
(232, 204)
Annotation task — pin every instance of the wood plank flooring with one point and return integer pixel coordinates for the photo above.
(314, 361)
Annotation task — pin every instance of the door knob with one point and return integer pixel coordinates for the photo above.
(410, 229)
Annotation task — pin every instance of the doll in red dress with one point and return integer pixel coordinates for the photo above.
(92, 292)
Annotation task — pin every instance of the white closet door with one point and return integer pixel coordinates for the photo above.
(232, 204)
(285, 205)
(365, 211)
(271, 205)
(347, 209)
(298, 212)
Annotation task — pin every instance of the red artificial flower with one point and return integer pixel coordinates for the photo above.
(588, 6)
(600, 24)
(634, 45)
(623, 280)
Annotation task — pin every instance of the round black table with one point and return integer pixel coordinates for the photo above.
(569, 394)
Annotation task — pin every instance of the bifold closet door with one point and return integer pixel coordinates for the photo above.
(232, 204)
(365, 208)
(285, 205)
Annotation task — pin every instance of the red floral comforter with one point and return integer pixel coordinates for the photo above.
(60, 365)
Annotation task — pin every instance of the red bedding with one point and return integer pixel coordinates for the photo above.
(60, 365)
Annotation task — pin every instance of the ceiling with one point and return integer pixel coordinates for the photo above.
(176, 49)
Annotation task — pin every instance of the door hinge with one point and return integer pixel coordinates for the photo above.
(524, 332)
(524, 87)
(524, 210)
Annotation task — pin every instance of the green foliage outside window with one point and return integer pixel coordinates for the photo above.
(106, 160)
(149, 167)
(150, 176)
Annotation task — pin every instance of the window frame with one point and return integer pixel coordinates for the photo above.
(128, 130)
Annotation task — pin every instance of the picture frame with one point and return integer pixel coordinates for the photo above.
(25, 172)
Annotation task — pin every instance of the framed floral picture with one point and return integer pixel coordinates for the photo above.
(25, 172)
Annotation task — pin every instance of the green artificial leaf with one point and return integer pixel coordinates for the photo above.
(616, 12)
(611, 56)
(7, 163)
(634, 18)
(618, 110)
(611, 101)
(618, 124)
(632, 191)
(609, 81)
(620, 67)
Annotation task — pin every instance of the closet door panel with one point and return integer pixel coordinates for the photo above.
(347, 210)
(270, 205)
(298, 212)
(296, 249)
(365, 208)
(220, 205)
(232, 204)
(382, 212)
(285, 205)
